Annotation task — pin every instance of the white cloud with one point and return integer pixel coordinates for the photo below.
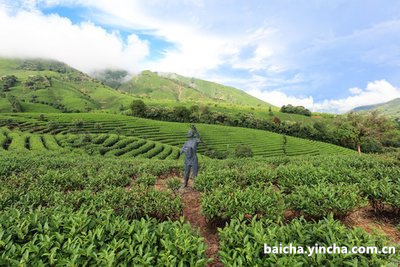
(197, 49)
(87, 46)
(279, 99)
(277, 52)
(84, 46)
(355, 90)
(376, 92)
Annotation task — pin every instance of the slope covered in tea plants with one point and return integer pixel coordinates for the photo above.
(99, 144)
(67, 208)
(222, 139)
(303, 201)
(64, 209)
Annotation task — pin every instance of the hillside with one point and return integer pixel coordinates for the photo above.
(222, 139)
(391, 108)
(170, 90)
(51, 86)
(47, 86)
(177, 88)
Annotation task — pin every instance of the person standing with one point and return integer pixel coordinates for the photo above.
(190, 150)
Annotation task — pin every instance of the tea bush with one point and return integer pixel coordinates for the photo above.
(242, 244)
(65, 238)
(230, 202)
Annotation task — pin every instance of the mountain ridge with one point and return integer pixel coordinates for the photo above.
(44, 85)
(175, 87)
(390, 108)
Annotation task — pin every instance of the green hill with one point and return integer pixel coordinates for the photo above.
(47, 86)
(391, 108)
(177, 88)
(50, 86)
(169, 90)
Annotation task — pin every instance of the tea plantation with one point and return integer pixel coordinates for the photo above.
(218, 138)
(102, 190)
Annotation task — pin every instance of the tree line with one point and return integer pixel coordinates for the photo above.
(370, 132)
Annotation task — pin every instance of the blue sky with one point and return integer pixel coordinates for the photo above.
(326, 55)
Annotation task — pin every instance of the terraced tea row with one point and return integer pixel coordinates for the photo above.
(103, 144)
(214, 137)
(18, 141)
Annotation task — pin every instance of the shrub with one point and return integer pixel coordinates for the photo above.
(319, 200)
(146, 179)
(8, 81)
(38, 82)
(174, 184)
(371, 145)
(242, 244)
(138, 108)
(53, 125)
(15, 104)
(230, 202)
(62, 237)
(296, 110)
(216, 154)
(79, 123)
(42, 117)
(243, 151)
(384, 191)
(98, 126)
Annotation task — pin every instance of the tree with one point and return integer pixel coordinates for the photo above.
(204, 110)
(37, 82)
(15, 104)
(195, 113)
(8, 81)
(270, 113)
(276, 120)
(138, 108)
(296, 110)
(194, 109)
(181, 113)
(320, 126)
(370, 128)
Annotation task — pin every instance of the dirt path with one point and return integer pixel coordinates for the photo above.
(366, 219)
(192, 213)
